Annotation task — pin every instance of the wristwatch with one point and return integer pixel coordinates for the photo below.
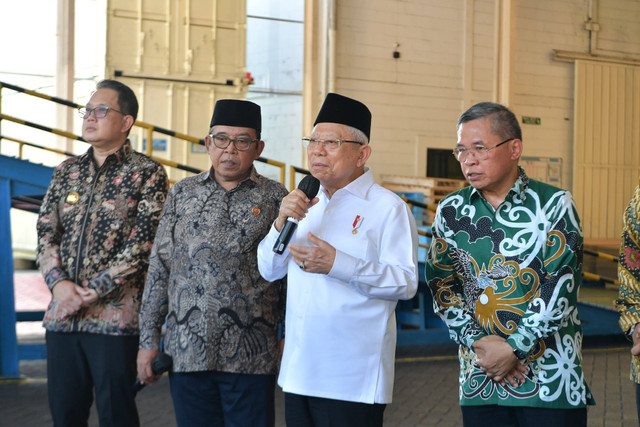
(520, 355)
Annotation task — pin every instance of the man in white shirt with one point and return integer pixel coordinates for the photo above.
(352, 257)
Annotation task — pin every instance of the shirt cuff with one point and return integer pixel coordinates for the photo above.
(344, 267)
(54, 276)
(102, 283)
(520, 343)
(468, 339)
(272, 237)
(149, 341)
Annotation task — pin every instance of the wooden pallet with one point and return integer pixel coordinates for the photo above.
(436, 183)
(429, 193)
(434, 189)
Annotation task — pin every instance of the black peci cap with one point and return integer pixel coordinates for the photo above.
(345, 111)
(237, 112)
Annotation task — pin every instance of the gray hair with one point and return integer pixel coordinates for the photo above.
(357, 135)
(503, 122)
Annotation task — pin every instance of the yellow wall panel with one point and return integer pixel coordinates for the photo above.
(606, 148)
(177, 56)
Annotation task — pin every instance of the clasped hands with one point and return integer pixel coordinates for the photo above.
(70, 298)
(312, 259)
(496, 358)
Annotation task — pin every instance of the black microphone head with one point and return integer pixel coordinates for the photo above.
(310, 186)
(161, 363)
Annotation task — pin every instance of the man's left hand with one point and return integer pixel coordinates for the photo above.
(496, 358)
(315, 259)
(145, 366)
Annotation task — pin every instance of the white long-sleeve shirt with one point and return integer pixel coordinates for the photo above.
(340, 328)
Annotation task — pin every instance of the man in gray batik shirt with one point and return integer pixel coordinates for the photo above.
(222, 316)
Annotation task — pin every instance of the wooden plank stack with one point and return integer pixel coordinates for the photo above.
(434, 189)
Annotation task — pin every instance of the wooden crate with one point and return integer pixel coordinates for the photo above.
(439, 183)
(429, 194)
(434, 189)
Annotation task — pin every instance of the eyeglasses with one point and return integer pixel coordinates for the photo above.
(327, 144)
(222, 141)
(98, 112)
(478, 151)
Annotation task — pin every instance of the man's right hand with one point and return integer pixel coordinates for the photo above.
(145, 372)
(635, 336)
(295, 205)
(67, 296)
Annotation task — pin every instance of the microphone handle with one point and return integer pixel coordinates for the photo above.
(137, 386)
(160, 364)
(285, 235)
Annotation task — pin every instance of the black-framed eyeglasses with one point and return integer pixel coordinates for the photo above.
(477, 151)
(222, 141)
(327, 144)
(98, 112)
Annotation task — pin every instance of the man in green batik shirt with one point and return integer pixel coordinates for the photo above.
(504, 269)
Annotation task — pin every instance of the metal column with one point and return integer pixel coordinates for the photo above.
(8, 339)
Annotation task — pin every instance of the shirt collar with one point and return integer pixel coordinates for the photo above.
(519, 189)
(359, 186)
(117, 157)
(208, 176)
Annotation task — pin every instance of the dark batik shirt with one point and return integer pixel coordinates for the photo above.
(96, 228)
(515, 272)
(204, 280)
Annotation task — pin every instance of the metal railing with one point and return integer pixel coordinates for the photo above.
(70, 135)
(149, 128)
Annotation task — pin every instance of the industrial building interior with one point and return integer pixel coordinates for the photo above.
(569, 69)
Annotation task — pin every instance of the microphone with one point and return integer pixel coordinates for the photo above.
(160, 364)
(310, 186)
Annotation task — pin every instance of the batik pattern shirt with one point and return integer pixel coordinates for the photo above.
(203, 279)
(629, 273)
(96, 228)
(513, 271)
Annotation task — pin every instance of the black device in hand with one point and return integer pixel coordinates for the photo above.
(160, 364)
(309, 186)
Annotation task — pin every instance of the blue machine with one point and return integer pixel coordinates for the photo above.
(22, 185)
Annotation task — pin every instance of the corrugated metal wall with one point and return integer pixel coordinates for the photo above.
(607, 144)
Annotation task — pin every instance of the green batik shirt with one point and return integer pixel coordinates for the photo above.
(513, 271)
